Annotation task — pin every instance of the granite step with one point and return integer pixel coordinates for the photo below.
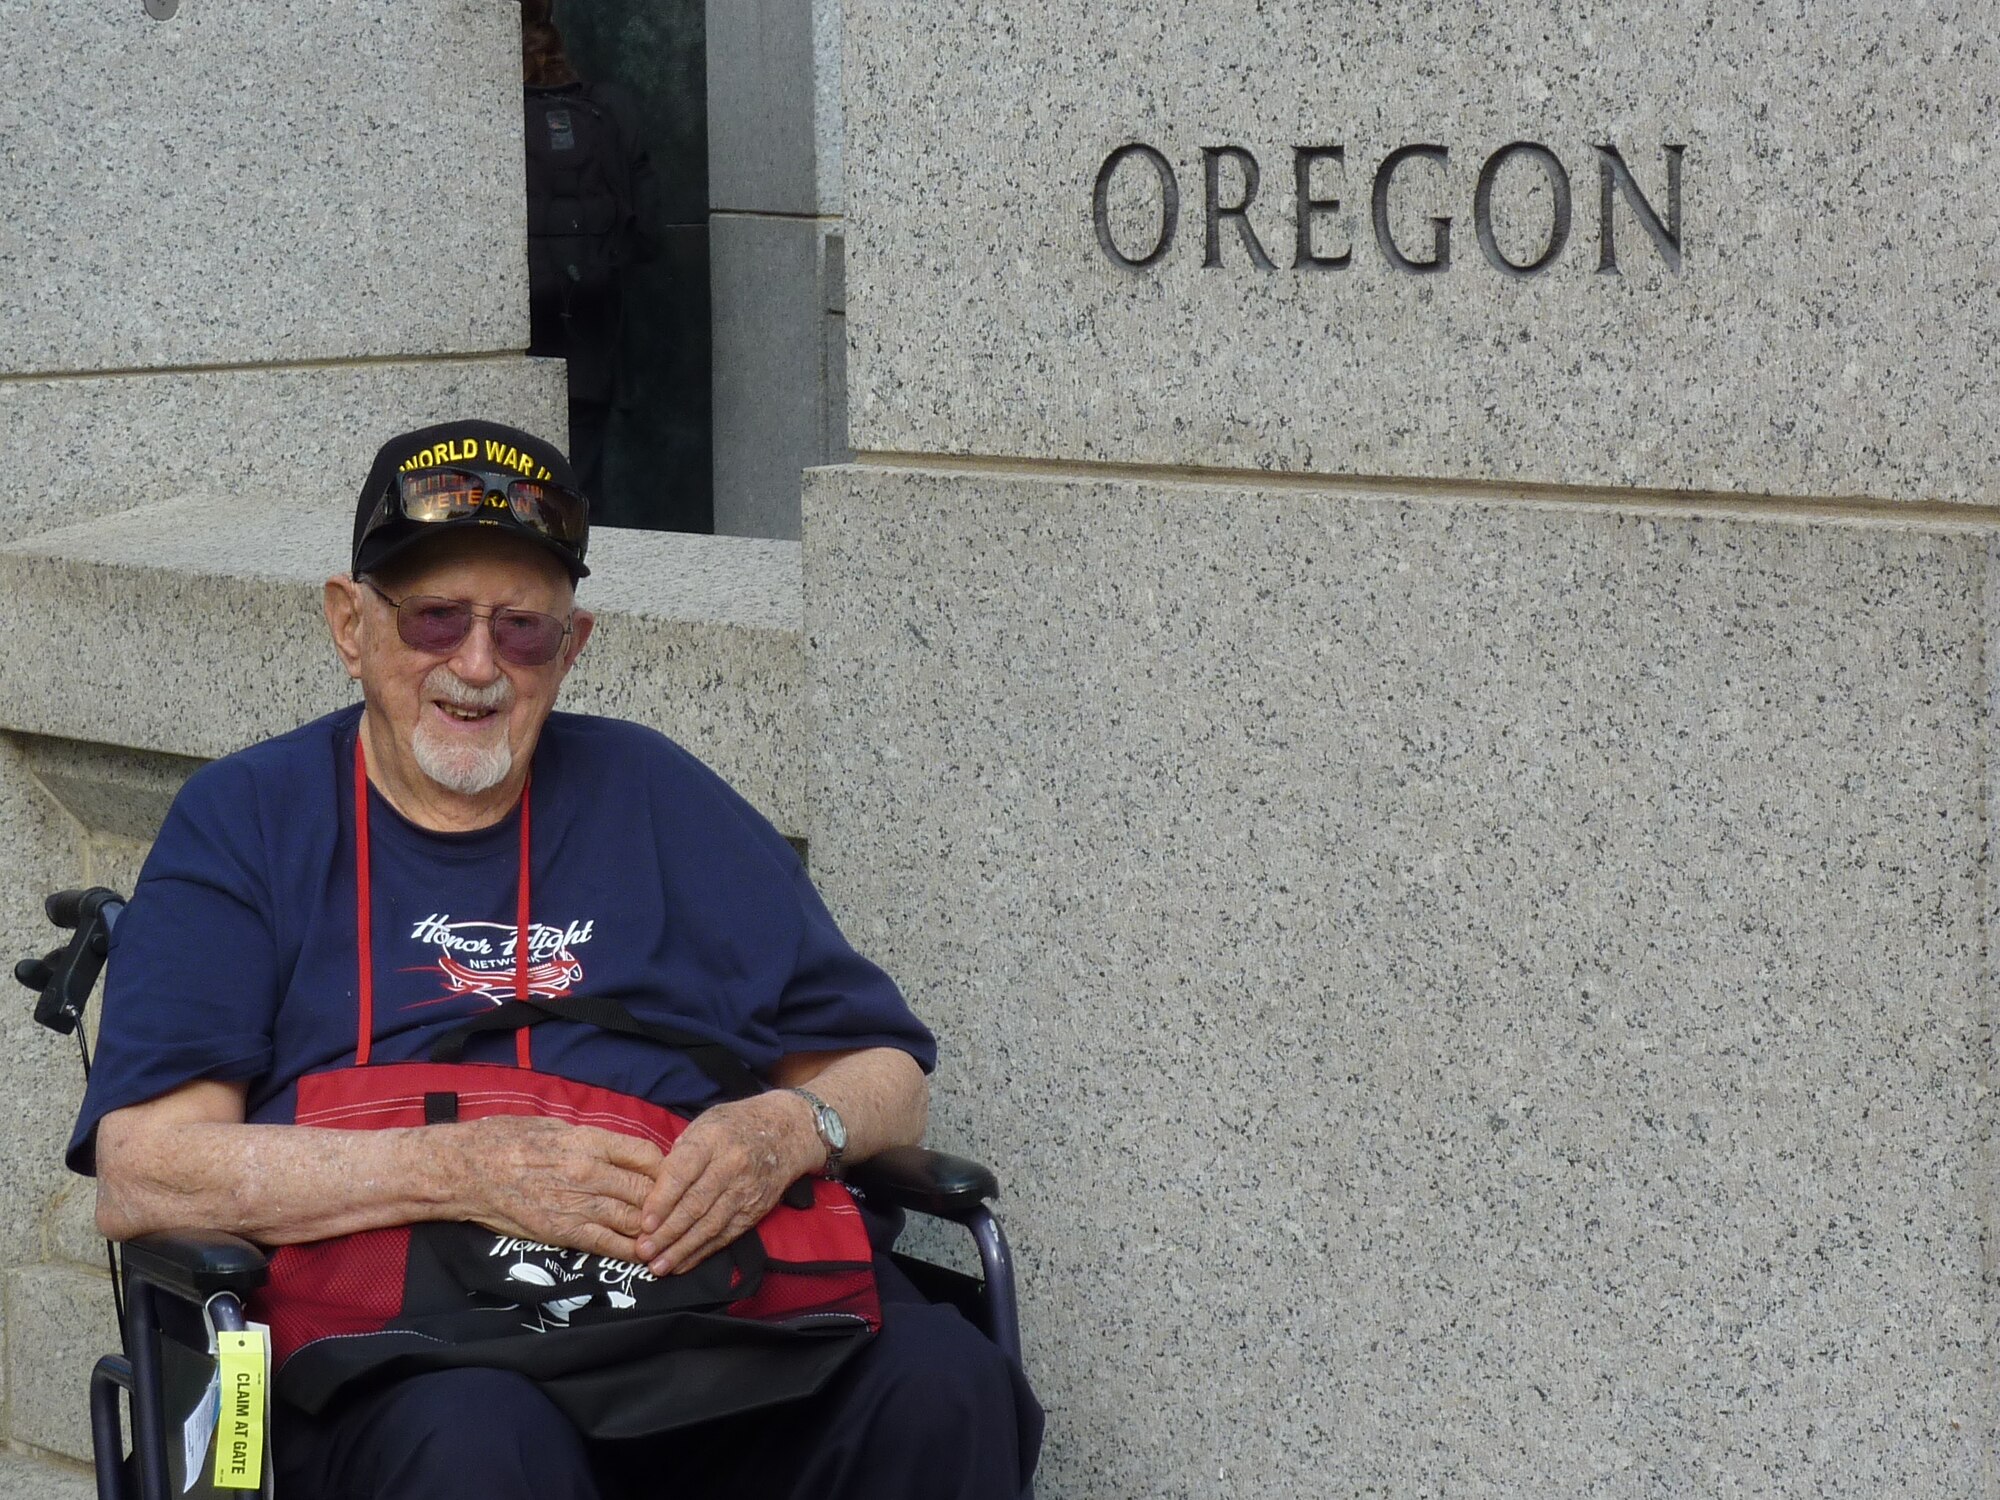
(40, 1477)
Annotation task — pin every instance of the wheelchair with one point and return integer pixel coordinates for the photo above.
(173, 1289)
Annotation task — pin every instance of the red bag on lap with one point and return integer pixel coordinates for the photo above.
(622, 1352)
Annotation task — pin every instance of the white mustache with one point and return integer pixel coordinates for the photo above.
(455, 690)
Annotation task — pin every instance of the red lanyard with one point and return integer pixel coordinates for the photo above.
(364, 918)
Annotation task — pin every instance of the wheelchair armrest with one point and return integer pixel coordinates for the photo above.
(930, 1182)
(195, 1264)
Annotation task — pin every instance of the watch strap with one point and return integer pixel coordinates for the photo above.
(830, 1128)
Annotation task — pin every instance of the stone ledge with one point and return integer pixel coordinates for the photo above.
(78, 449)
(196, 629)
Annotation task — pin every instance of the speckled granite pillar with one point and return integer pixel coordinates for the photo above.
(1468, 1000)
(1404, 671)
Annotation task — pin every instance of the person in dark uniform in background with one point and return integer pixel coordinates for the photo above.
(590, 215)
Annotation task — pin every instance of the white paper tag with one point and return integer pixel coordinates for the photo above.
(198, 1429)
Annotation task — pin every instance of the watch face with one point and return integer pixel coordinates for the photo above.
(833, 1128)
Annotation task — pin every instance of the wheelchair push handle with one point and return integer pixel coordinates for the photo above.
(64, 978)
(74, 908)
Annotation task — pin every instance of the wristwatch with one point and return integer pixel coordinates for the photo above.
(832, 1130)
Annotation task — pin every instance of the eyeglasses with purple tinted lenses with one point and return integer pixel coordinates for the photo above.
(437, 627)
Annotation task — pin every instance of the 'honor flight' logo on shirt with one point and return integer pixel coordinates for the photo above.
(477, 958)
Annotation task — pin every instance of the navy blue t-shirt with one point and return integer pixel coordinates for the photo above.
(653, 883)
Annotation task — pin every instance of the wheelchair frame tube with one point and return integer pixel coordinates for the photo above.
(996, 1262)
(1003, 1315)
(107, 1433)
(149, 1422)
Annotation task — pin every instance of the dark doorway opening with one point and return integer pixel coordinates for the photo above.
(657, 453)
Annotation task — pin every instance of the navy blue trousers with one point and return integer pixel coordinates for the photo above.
(929, 1410)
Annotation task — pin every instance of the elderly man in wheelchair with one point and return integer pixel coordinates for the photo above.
(528, 1049)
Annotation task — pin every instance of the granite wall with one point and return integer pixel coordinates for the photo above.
(1433, 778)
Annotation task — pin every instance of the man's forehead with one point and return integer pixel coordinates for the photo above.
(493, 554)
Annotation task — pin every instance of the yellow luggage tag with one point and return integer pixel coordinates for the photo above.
(243, 1368)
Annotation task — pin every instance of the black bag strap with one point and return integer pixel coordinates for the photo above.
(714, 1059)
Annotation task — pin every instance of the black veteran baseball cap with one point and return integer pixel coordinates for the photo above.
(469, 474)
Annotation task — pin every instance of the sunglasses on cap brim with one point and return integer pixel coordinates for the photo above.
(438, 496)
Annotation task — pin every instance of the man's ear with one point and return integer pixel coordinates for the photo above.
(340, 601)
(581, 623)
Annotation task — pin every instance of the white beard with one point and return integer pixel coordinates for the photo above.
(452, 762)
